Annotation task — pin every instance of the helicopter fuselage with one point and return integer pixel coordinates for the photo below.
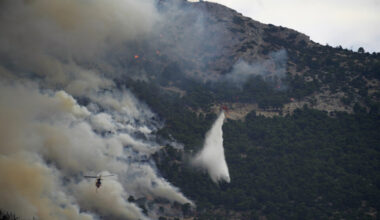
(98, 183)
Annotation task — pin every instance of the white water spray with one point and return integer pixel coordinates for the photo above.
(211, 157)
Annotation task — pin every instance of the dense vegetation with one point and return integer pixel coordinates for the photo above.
(310, 70)
(337, 69)
(309, 165)
(304, 166)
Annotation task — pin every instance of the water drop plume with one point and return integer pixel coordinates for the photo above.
(211, 157)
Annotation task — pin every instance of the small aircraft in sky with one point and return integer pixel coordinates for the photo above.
(99, 179)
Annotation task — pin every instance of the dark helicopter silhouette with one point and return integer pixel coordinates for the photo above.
(99, 179)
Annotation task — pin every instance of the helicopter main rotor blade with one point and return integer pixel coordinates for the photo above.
(109, 175)
(91, 176)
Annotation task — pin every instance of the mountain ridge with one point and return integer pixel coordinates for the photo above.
(318, 76)
(134, 94)
(301, 151)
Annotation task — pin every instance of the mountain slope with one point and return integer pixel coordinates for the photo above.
(303, 164)
(131, 88)
(212, 45)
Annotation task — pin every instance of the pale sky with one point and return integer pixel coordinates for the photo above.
(349, 23)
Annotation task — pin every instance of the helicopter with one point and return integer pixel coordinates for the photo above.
(99, 179)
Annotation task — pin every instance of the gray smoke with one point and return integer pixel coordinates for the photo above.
(53, 54)
(51, 137)
(211, 157)
(64, 114)
(271, 70)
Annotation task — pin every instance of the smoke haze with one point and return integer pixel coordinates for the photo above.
(65, 111)
(53, 55)
(271, 70)
(211, 157)
(48, 143)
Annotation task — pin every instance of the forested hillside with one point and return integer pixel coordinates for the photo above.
(300, 166)
(316, 157)
(304, 166)
(129, 90)
(222, 56)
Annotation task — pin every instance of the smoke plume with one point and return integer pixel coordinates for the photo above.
(211, 157)
(272, 70)
(65, 111)
(48, 142)
(62, 116)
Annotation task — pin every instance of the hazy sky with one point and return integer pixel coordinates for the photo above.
(350, 23)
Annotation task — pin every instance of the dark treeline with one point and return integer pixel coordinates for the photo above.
(308, 165)
(304, 166)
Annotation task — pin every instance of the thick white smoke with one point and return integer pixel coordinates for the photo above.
(52, 54)
(211, 157)
(48, 142)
